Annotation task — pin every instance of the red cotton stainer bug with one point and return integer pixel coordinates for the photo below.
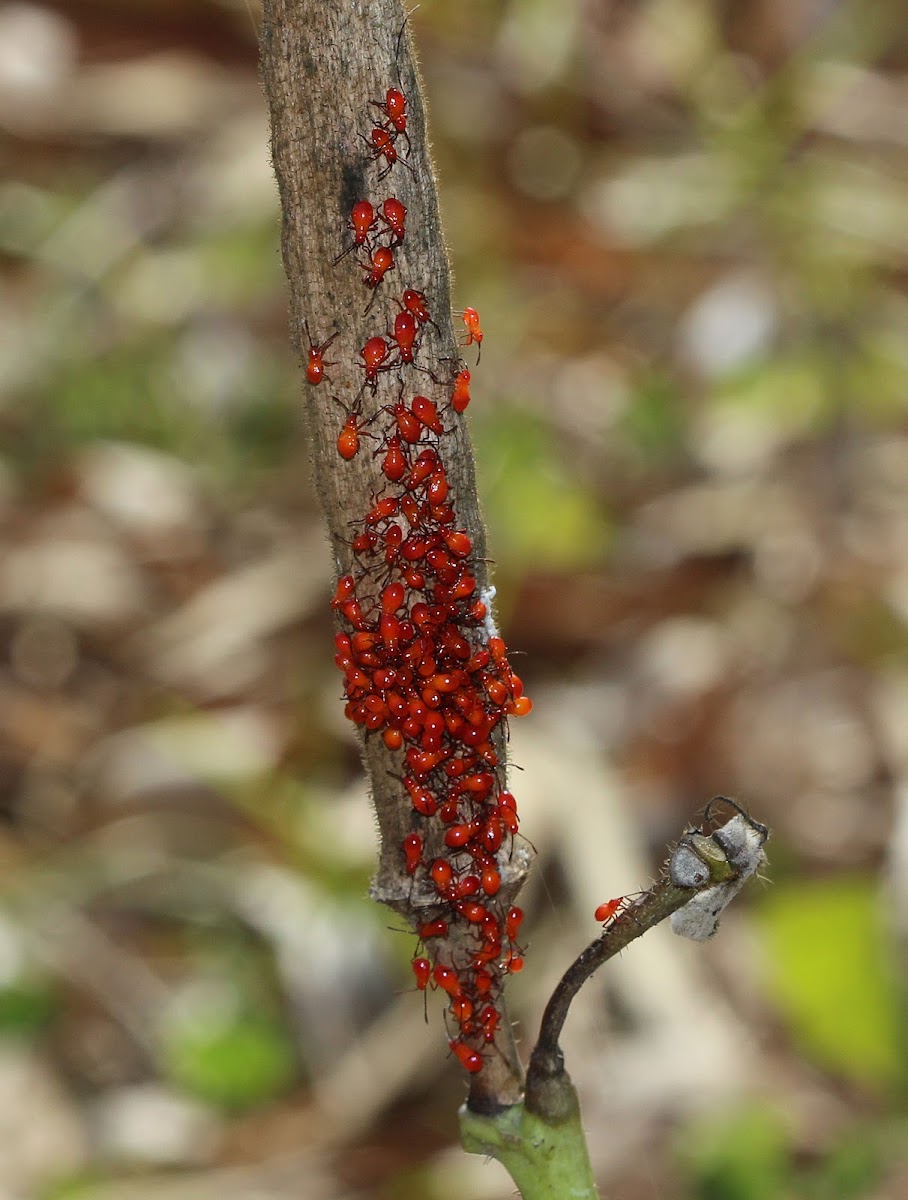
(394, 464)
(394, 215)
(381, 145)
(394, 108)
(348, 438)
(474, 332)
(412, 848)
(606, 911)
(415, 303)
(315, 367)
(380, 264)
(422, 970)
(460, 397)
(362, 221)
(405, 336)
(467, 1058)
(373, 355)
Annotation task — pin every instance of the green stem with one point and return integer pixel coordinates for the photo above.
(547, 1159)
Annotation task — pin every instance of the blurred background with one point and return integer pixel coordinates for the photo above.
(684, 224)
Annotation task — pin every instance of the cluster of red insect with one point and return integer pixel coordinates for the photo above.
(422, 664)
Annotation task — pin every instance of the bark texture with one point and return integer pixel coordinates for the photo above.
(323, 62)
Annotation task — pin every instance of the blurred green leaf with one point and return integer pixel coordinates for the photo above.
(749, 1156)
(744, 1157)
(80, 1187)
(124, 395)
(236, 1065)
(414, 1183)
(791, 392)
(831, 975)
(26, 1006)
(539, 512)
(850, 1171)
(239, 264)
(654, 422)
(877, 374)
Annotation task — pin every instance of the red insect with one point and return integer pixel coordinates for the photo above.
(413, 549)
(415, 303)
(423, 800)
(394, 214)
(507, 811)
(446, 978)
(394, 108)
(392, 738)
(499, 651)
(433, 929)
(442, 874)
(462, 1010)
(348, 439)
(468, 886)
(423, 467)
(346, 590)
(426, 413)
(373, 355)
(362, 222)
(381, 145)
(458, 542)
(389, 628)
(364, 543)
(468, 1059)
(382, 509)
(483, 982)
(474, 332)
(381, 263)
(460, 397)
(405, 336)
(352, 611)
(512, 923)
(491, 880)
(491, 838)
(393, 596)
(437, 493)
(409, 427)
(606, 911)
(478, 611)
(412, 848)
(393, 538)
(472, 911)
(458, 836)
(315, 367)
(490, 1019)
(422, 969)
(394, 464)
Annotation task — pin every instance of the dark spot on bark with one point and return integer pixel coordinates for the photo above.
(353, 187)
